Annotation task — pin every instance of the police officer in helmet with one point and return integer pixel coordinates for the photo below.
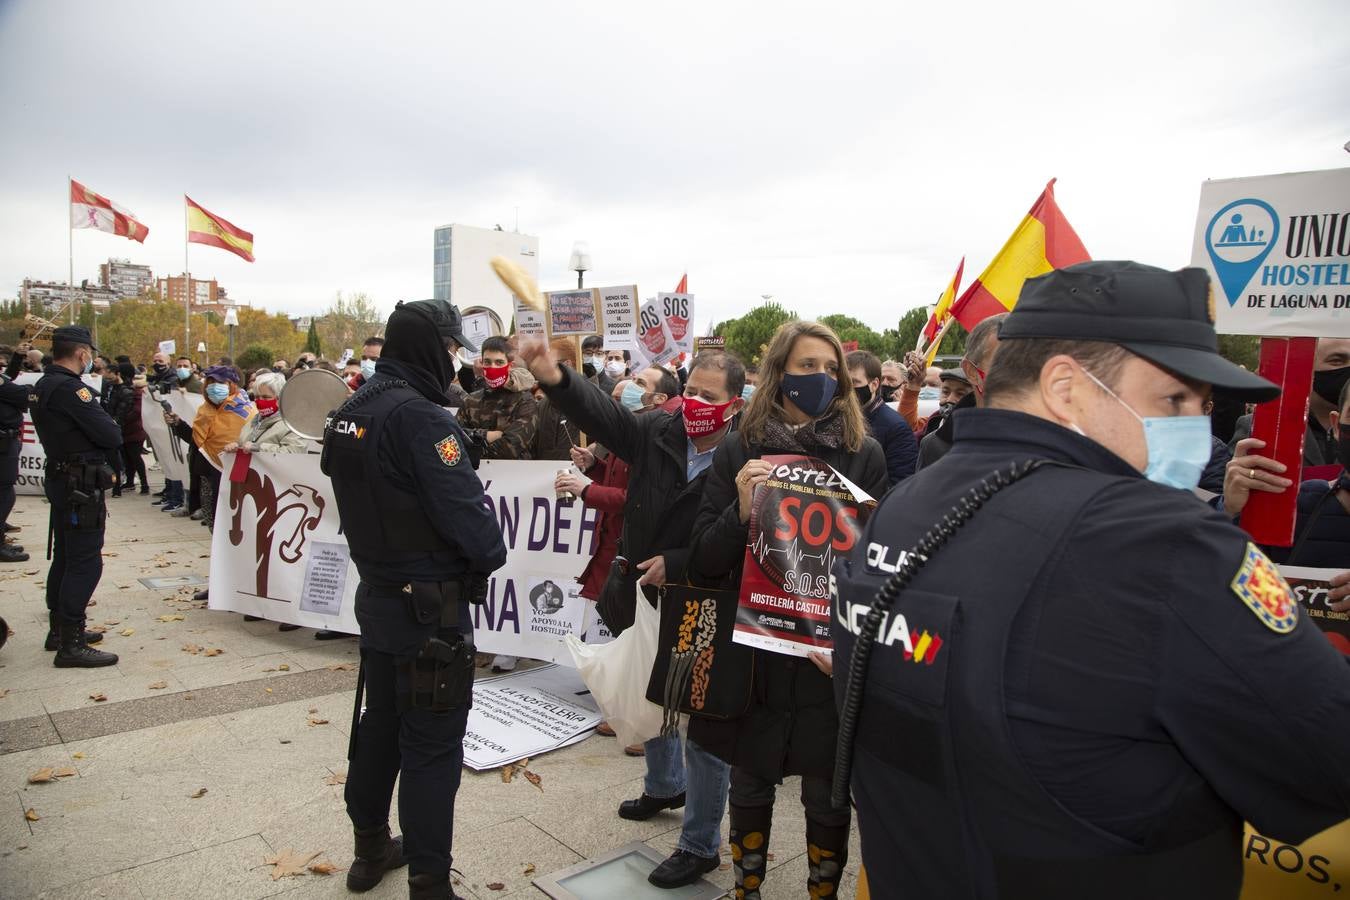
(76, 435)
(424, 543)
(1081, 680)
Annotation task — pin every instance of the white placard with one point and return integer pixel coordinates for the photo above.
(477, 328)
(325, 579)
(619, 312)
(1278, 250)
(678, 312)
(654, 340)
(529, 321)
(525, 714)
(170, 347)
(346, 355)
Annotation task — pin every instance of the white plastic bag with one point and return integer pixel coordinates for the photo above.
(617, 673)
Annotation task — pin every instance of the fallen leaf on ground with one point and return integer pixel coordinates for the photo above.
(268, 690)
(4, 692)
(269, 670)
(197, 794)
(31, 815)
(336, 778)
(78, 755)
(105, 553)
(158, 685)
(172, 617)
(127, 632)
(341, 667)
(98, 629)
(508, 772)
(42, 776)
(288, 862)
(496, 886)
(529, 869)
(534, 780)
(99, 697)
(323, 868)
(315, 720)
(65, 772)
(283, 668)
(112, 622)
(214, 651)
(192, 648)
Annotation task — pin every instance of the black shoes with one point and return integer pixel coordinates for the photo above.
(681, 868)
(12, 553)
(74, 653)
(54, 640)
(430, 887)
(376, 853)
(644, 807)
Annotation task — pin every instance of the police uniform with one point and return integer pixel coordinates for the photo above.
(424, 541)
(13, 402)
(1092, 679)
(76, 435)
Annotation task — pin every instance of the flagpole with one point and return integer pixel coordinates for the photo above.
(187, 287)
(70, 233)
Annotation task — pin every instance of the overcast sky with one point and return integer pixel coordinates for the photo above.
(839, 156)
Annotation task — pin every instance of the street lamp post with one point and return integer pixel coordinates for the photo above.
(231, 320)
(580, 261)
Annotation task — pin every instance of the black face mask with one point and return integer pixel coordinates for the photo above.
(1328, 384)
(864, 395)
(888, 392)
(159, 367)
(1343, 446)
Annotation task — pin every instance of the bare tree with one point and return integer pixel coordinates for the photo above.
(348, 322)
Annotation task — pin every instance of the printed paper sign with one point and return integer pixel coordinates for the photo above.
(804, 517)
(1278, 250)
(525, 714)
(346, 355)
(619, 310)
(572, 314)
(654, 337)
(529, 321)
(325, 579)
(678, 311)
(1311, 588)
(169, 347)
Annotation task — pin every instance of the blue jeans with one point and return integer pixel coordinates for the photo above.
(705, 790)
(173, 493)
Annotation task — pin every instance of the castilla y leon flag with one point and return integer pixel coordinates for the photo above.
(1043, 241)
(90, 210)
(208, 228)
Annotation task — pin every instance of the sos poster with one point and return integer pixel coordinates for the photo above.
(654, 338)
(803, 517)
(678, 311)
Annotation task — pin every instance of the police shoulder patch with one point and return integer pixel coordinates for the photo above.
(449, 450)
(1259, 584)
(83, 394)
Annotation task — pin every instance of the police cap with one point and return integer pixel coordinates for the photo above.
(1165, 317)
(75, 334)
(444, 316)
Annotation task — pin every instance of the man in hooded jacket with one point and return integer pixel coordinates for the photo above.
(424, 542)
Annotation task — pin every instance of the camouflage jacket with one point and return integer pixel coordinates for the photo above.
(510, 409)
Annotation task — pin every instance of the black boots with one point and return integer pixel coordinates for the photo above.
(376, 853)
(827, 854)
(430, 887)
(749, 841)
(54, 641)
(75, 653)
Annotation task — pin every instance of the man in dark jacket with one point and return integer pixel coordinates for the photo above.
(892, 433)
(13, 402)
(980, 349)
(1331, 370)
(669, 456)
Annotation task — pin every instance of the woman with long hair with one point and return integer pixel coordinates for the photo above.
(804, 404)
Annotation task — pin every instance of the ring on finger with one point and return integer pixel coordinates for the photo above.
(1252, 474)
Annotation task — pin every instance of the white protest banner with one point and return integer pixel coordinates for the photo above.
(171, 452)
(477, 328)
(32, 458)
(525, 714)
(346, 355)
(1278, 250)
(654, 338)
(529, 321)
(678, 312)
(279, 552)
(169, 347)
(619, 311)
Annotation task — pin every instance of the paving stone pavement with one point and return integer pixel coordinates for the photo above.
(133, 822)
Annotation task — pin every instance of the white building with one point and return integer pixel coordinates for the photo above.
(125, 278)
(48, 298)
(462, 275)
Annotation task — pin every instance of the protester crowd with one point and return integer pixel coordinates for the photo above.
(672, 461)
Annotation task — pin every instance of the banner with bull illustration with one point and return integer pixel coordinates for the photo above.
(279, 552)
(804, 516)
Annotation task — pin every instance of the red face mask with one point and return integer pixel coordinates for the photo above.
(267, 406)
(495, 376)
(702, 418)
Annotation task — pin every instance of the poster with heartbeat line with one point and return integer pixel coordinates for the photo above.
(804, 517)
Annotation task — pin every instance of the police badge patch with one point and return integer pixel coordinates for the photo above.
(449, 450)
(83, 394)
(1258, 584)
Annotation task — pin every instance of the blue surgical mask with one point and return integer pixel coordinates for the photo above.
(810, 393)
(631, 396)
(747, 392)
(183, 374)
(1179, 447)
(217, 393)
(368, 368)
(89, 366)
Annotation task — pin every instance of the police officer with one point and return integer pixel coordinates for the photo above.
(76, 434)
(424, 542)
(1084, 679)
(13, 402)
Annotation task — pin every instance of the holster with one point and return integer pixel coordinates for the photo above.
(7, 438)
(84, 487)
(439, 678)
(438, 601)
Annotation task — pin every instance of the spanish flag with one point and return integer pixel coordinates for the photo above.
(941, 318)
(208, 228)
(1043, 241)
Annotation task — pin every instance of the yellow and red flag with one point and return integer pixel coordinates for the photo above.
(208, 228)
(1043, 241)
(942, 313)
(90, 210)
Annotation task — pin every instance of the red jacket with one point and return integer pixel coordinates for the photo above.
(607, 493)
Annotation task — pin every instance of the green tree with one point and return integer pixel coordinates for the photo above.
(851, 329)
(907, 335)
(312, 344)
(255, 356)
(748, 337)
(1241, 349)
(349, 321)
